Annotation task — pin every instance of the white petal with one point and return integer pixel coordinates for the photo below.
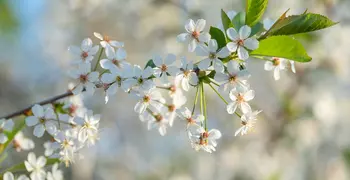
(106, 64)
(98, 35)
(204, 37)
(8, 176)
(244, 32)
(242, 53)
(51, 128)
(292, 66)
(245, 107)
(193, 78)
(233, 67)
(214, 134)
(251, 43)
(41, 161)
(182, 37)
(8, 125)
(232, 46)
(110, 53)
(268, 66)
(190, 26)
(148, 72)
(140, 107)
(204, 64)
(232, 34)
(231, 107)
(86, 44)
(172, 70)
(192, 45)
(202, 50)
(39, 130)
(93, 76)
(224, 52)
(276, 73)
(116, 44)
(31, 121)
(107, 78)
(3, 138)
(121, 54)
(78, 89)
(200, 25)
(157, 60)
(170, 59)
(220, 77)
(218, 65)
(38, 110)
(94, 50)
(213, 45)
(185, 84)
(249, 95)
(162, 130)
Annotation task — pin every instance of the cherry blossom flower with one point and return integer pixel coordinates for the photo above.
(35, 166)
(20, 142)
(86, 79)
(189, 118)
(42, 120)
(105, 41)
(240, 99)
(234, 78)
(248, 122)
(55, 173)
(160, 122)
(170, 110)
(152, 97)
(276, 64)
(5, 125)
(241, 41)
(140, 78)
(164, 67)
(89, 124)
(10, 176)
(115, 59)
(205, 140)
(187, 75)
(194, 34)
(50, 148)
(84, 54)
(212, 56)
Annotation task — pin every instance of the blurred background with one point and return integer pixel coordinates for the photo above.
(302, 134)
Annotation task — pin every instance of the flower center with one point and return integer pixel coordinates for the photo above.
(212, 56)
(164, 67)
(42, 120)
(84, 55)
(240, 42)
(118, 79)
(83, 78)
(72, 108)
(158, 117)
(140, 80)
(276, 61)
(203, 139)
(240, 98)
(116, 62)
(172, 89)
(146, 99)
(186, 73)
(243, 123)
(195, 35)
(106, 38)
(190, 120)
(233, 78)
(171, 108)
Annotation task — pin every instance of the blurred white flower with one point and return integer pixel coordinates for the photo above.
(5, 125)
(241, 41)
(248, 121)
(42, 120)
(240, 98)
(115, 59)
(170, 110)
(86, 79)
(194, 34)
(212, 56)
(55, 174)
(36, 166)
(165, 67)
(205, 140)
(234, 78)
(160, 122)
(105, 41)
(10, 176)
(20, 142)
(277, 64)
(186, 76)
(84, 54)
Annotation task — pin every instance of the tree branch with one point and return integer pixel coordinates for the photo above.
(47, 101)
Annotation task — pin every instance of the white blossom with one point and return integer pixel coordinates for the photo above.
(5, 125)
(240, 98)
(234, 78)
(152, 97)
(241, 41)
(42, 120)
(55, 173)
(85, 53)
(10, 176)
(158, 121)
(105, 41)
(276, 64)
(189, 118)
(187, 75)
(139, 78)
(115, 59)
(36, 166)
(165, 67)
(212, 56)
(86, 79)
(89, 124)
(248, 122)
(194, 34)
(21, 142)
(205, 140)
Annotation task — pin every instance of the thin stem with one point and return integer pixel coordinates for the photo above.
(47, 101)
(222, 98)
(204, 109)
(165, 88)
(195, 100)
(216, 84)
(201, 103)
(99, 58)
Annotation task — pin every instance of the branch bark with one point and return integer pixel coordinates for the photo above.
(47, 101)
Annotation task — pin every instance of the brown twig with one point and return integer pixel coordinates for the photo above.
(47, 101)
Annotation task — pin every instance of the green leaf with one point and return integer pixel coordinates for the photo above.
(150, 64)
(296, 24)
(283, 47)
(226, 21)
(22, 167)
(255, 10)
(218, 35)
(239, 20)
(11, 135)
(257, 28)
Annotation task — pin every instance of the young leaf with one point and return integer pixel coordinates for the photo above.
(150, 64)
(218, 35)
(255, 10)
(238, 21)
(226, 21)
(296, 24)
(282, 46)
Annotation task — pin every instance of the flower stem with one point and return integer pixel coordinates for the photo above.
(204, 109)
(222, 98)
(165, 88)
(201, 103)
(99, 58)
(195, 100)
